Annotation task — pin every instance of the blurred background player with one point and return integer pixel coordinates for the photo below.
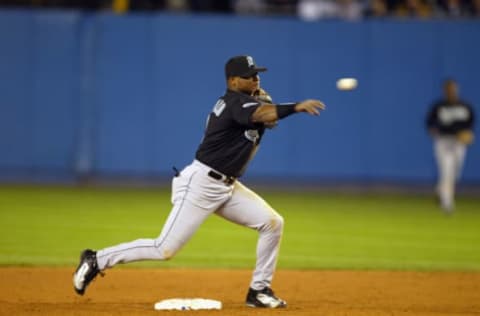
(450, 123)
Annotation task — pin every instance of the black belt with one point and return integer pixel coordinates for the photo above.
(218, 176)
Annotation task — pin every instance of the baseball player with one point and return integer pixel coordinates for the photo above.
(210, 184)
(450, 123)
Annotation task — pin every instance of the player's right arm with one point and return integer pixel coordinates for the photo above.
(431, 121)
(272, 112)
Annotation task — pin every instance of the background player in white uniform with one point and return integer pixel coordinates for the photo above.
(450, 123)
(210, 184)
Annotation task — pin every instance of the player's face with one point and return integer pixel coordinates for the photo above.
(248, 84)
(451, 91)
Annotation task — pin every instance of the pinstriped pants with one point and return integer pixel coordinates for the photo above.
(450, 155)
(195, 196)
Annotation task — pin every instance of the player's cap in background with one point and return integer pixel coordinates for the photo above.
(242, 66)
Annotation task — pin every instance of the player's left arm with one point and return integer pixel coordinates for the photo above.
(465, 135)
(272, 112)
(472, 117)
(264, 97)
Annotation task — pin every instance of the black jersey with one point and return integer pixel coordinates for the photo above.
(450, 118)
(231, 138)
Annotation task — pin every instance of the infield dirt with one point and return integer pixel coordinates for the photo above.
(48, 291)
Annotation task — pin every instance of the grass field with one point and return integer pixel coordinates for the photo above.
(50, 225)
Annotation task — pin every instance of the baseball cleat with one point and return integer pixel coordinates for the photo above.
(86, 271)
(264, 298)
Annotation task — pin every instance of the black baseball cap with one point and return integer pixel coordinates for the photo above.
(242, 66)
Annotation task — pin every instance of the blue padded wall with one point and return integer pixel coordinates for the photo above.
(129, 95)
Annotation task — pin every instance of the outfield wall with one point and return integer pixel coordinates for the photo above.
(129, 95)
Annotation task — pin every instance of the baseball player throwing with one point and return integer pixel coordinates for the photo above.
(210, 184)
(450, 123)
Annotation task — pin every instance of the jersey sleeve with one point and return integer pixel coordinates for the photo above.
(243, 108)
(471, 120)
(431, 120)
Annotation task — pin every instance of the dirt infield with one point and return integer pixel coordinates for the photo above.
(48, 291)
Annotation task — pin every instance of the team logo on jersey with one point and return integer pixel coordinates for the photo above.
(453, 114)
(219, 107)
(252, 135)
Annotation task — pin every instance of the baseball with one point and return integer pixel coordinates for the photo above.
(346, 84)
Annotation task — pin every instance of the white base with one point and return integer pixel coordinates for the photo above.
(188, 304)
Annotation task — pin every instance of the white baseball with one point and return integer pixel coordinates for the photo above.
(346, 84)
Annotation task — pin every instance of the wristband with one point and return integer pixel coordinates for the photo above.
(284, 110)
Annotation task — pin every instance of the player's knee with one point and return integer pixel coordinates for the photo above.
(164, 253)
(276, 223)
(167, 255)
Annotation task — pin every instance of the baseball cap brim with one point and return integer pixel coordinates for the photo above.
(253, 71)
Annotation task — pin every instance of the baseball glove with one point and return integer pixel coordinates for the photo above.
(465, 137)
(263, 96)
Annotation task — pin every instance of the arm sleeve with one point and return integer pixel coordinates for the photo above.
(431, 120)
(242, 110)
(471, 121)
(467, 124)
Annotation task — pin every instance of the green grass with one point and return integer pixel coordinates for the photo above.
(50, 225)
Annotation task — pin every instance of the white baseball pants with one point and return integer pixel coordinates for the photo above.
(450, 155)
(195, 195)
